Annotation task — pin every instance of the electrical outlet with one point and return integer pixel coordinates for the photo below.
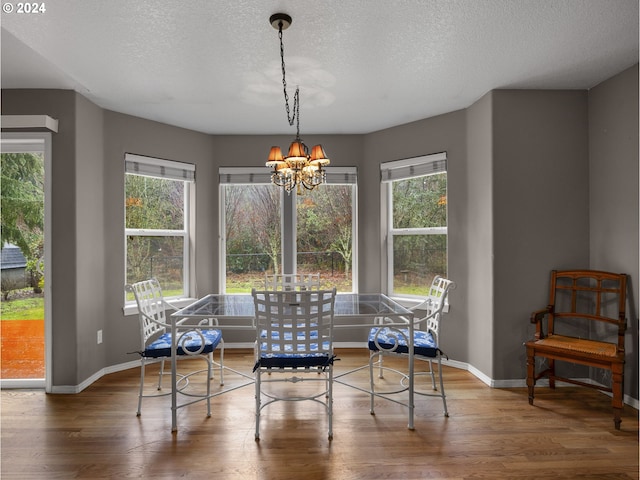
(99, 337)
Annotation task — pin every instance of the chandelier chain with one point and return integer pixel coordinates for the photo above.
(296, 96)
(300, 169)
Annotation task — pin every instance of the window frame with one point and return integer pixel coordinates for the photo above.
(24, 142)
(391, 172)
(234, 176)
(166, 170)
(262, 176)
(336, 172)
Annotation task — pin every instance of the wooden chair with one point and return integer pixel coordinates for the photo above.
(393, 341)
(294, 336)
(585, 325)
(155, 340)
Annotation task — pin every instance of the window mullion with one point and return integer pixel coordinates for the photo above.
(187, 289)
(289, 233)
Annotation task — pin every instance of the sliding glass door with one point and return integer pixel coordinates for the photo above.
(24, 323)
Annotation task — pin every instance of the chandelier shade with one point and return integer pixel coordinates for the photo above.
(299, 169)
(318, 157)
(275, 157)
(297, 152)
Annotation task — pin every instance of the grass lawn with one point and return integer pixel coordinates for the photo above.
(23, 308)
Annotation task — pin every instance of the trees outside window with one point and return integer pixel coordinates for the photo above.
(325, 233)
(156, 227)
(416, 223)
(257, 218)
(22, 211)
(252, 235)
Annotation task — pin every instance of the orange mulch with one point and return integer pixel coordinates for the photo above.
(22, 349)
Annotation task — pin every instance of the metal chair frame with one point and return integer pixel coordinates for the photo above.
(152, 308)
(294, 336)
(433, 306)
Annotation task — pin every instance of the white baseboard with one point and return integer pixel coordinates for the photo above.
(522, 382)
(70, 389)
(28, 383)
(509, 383)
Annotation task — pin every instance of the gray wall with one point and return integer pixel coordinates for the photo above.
(540, 209)
(127, 134)
(613, 194)
(444, 133)
(91, 263)
(61, 105)
(509, 154)
(476, 278)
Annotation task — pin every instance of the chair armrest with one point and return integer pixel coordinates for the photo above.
(537, 317)
(421, 306)
(153, 320)
(169, 306)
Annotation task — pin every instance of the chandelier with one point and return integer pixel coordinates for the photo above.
(298, 169)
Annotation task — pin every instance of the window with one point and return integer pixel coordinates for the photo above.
(325, 233)
(157, 196)
(252, 235)
(266, 230)
(415, 191)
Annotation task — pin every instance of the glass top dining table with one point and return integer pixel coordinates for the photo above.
(237, 311)
(348, 305)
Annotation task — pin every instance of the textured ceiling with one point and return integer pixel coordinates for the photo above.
(362, 65)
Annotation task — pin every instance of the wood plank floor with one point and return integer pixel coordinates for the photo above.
(490, 434)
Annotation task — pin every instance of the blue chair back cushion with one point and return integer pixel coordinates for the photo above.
(423, 342)
(192, 341)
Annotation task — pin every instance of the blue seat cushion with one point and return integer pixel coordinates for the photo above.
(293, 360)
(282, 354)
(192, 341)
(423, 342)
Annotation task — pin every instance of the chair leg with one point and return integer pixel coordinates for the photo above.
(210, 360)
(617, 372)
(531, 373)
(371, 383)
(433, 376)
(139, 412)
(209, 376)
(330, 402)
(221, 348)
(552, 373)
(210, 356)
(257, 384)
(444, 397)
(160, 373)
